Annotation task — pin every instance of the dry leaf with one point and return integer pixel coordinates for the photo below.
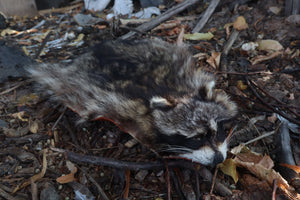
(79, 40)
(19, 132)
(259, 59)
(69, 177)
(71, 166)
(30, 99)
(229, 167)
(241, 85)
(272, 118)
(269, 45)
(34, 127)
(240, 23)
(293, 167)
(214, 60)
(261, 167)
(228, 25)
(274, 9)
(8, 31)
(199, 36)
(35, 177)
(19, 115)
(66, 179)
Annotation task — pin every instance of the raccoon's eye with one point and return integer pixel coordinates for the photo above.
(201, 94)
(220, 128)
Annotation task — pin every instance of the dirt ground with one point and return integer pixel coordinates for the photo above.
(46, 154)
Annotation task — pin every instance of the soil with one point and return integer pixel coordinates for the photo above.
(39, 137)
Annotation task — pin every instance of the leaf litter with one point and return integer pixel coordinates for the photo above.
(270, 60)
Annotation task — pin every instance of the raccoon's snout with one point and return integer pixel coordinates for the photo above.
(207, 155)
(218, 158)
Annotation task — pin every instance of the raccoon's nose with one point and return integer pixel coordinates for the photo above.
(218, 158)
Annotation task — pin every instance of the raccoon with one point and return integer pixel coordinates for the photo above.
(152, 90)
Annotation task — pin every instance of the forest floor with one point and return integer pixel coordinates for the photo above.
(251, 46)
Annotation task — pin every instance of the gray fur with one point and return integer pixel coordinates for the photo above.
(147, 87)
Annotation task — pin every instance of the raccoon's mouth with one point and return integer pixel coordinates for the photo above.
(206, 155)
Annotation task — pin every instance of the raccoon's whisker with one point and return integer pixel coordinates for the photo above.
(175, 148)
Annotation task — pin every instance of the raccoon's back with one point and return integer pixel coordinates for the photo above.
(142, 68)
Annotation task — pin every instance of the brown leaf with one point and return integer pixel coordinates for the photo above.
(241, 85)
(20, 131)
(261, 166)
(269, 45)
(34, 126)
(229, 167)
(66, 178)
(35, 177)
(69, 177)
(259, 59)
(293, 167)
(214, 60)
(240, 23)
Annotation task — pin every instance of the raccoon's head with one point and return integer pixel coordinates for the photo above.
(192, 127)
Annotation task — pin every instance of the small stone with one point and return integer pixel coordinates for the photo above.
(49, 193)
(140, 176)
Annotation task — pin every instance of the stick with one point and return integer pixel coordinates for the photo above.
(209, 11)
(161, 18)
(110, 162)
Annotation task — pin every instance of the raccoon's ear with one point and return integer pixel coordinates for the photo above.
(160, 102)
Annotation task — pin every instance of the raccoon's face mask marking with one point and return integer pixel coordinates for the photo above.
(192, 127)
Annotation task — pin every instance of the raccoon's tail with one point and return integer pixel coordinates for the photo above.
(74, 88)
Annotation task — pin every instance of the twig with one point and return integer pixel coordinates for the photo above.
(99, 188)
(230, 134)
(213, 181)
(277, 100)
(245, 73)
(197, 184)
(15, 87)
(267, 57)
(42, 45)
(255, 24)
(140, 21)
(168, 180)
(59, 118)
(275, 186)
(110, 162)
(7, 196)
(66, 124)
(209, 11)
(177, 185)
(161, 18)
(219, 187)
(126, 193)
(34, 190)
(270, 106)
(267, 134)
(58, 10)
(252, 122)
(233, 37)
